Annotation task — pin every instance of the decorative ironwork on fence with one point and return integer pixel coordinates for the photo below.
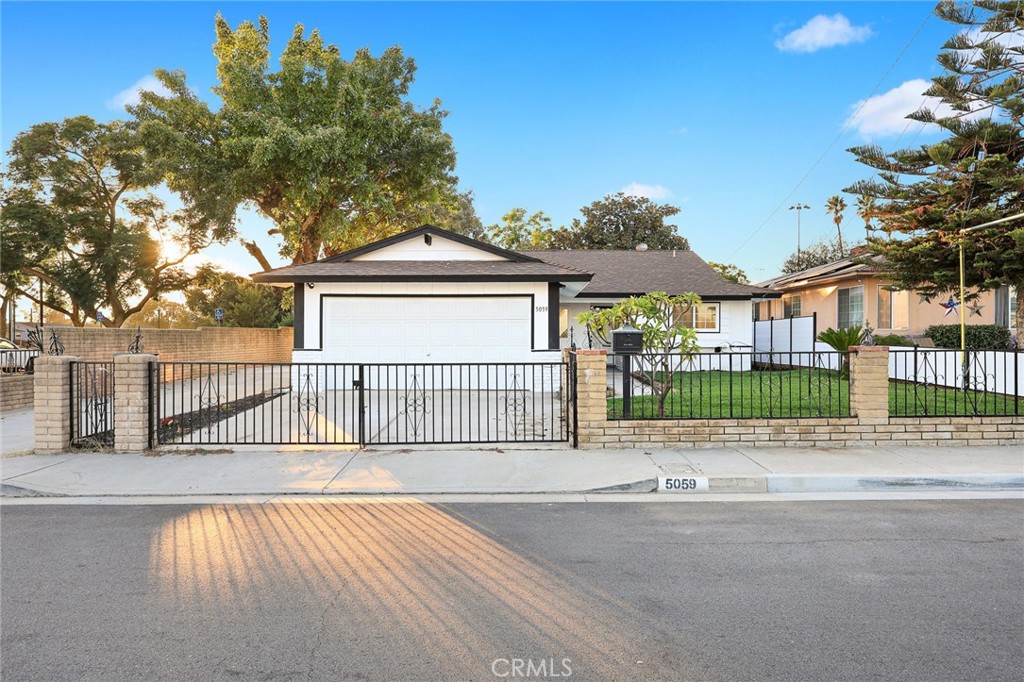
(941, 382)
(359, 404)
(729, 386)
(92, 404)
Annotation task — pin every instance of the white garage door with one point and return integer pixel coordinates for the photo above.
(427, 329)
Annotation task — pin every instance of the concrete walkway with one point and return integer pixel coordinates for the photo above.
(505, 470)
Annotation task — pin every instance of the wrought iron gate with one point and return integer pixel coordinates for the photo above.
(361, 404)
(92, 404)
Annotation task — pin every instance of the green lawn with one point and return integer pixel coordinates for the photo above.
(797, 393)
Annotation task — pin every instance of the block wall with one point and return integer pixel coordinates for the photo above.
(869, 423)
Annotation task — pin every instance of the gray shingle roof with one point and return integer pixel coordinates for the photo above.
(619, 273)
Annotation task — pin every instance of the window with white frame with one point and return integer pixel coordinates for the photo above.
(893, 308)
(791, 306)
(850, 311)
(703, 317)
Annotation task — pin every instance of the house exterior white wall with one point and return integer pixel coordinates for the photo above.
(438, 249)
(735, 326)
(535, 294)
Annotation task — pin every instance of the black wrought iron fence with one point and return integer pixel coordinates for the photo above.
(729, 385)
(327, 403)
(941, 382)
(92, 404)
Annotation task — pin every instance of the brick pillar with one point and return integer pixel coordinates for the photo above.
(132, 404)
(869, 383)
(52, 403)
(591, 393)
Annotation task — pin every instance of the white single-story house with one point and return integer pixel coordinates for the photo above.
(429, 295)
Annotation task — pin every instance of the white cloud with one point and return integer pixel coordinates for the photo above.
(130, 96)
(823, 31)
(636, 189)
(886, 114)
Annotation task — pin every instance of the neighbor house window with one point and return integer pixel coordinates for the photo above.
(791, 306)
(563, 323)
(1013, 309)
(851, 307)
(702, 317)
(893, 308)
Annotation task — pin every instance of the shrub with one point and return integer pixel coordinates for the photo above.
(842, 339)
(977, 336)
(893, 340)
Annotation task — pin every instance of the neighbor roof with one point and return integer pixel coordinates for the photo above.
(820, 274)
(630, 273)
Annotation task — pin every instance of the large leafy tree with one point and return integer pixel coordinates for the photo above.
(621, 221)
(329, 149)
(731, 272)
(245, 303)
(819, 253)
(926, 196)
(519, 230)
(78, 213)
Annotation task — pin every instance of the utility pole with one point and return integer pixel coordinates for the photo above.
(798, 207)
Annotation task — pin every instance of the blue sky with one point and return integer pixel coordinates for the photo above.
(718, 108)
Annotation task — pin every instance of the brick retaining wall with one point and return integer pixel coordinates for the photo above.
(15, 391)
(869, 425)
(206, 344)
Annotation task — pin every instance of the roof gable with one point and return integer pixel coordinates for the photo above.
(429, 243)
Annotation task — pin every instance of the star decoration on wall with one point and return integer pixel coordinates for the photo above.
(976, 309)
(951, 305)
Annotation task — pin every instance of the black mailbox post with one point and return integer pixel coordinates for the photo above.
(627, 342)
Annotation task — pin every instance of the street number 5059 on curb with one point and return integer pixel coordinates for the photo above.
(682, 484)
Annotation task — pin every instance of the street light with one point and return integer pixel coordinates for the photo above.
(798, 207)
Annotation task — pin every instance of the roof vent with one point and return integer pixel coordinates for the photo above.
(641, 247)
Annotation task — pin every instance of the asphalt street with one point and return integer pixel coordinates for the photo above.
(854, 590)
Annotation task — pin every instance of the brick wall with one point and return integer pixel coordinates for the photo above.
(15, 391)
(869, 425)
(206, 344)
(240, 344)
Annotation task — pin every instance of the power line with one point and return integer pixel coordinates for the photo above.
(831, 144)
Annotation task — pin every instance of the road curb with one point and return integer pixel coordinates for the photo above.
(851, 483)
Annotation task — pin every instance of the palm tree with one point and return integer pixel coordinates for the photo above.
(866, 209)
(835, 207)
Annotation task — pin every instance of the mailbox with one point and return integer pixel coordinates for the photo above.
(627, 340)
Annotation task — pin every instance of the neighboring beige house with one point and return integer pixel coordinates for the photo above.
(848, 294)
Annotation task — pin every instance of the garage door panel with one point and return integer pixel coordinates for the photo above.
(427, 329)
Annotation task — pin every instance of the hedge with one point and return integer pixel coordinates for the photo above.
(977, 336)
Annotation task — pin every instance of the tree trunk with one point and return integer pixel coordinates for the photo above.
(256, 252)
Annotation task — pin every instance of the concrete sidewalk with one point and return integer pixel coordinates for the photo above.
(503, 470)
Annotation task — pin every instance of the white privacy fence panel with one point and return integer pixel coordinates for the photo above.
(999, 372)
(795, 334)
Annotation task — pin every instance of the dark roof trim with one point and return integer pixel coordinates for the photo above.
(434, 231)
(271, 278)
(709, 297)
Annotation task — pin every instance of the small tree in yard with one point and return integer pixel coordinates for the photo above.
(660, 319)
